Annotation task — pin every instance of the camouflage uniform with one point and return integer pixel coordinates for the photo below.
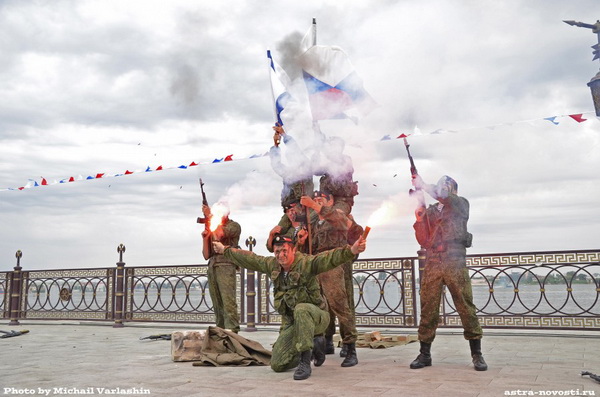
(222, 281)
(329, 233)
(443, 233)
(343, 189)
(297, 297)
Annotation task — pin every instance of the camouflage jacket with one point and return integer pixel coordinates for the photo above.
(300, 284)
(448, 227)
(330, 232)
(231, 237)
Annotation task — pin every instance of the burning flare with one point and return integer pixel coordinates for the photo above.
(384, 214)
(218, 212)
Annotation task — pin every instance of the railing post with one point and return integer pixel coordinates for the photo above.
(15, 291)
(250, 292)
(119, 290)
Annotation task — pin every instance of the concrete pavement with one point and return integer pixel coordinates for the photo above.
(90, 358)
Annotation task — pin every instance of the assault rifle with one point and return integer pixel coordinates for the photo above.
(591, 375)
(204, 202)
(413, 168)
(7, 334)
(158, 337)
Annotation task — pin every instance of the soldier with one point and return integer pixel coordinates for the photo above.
(295, 214)
(330, 230)
(297, 297)
(221, 272)
(442, 230)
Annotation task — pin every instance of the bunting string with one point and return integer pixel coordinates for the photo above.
(32, 183)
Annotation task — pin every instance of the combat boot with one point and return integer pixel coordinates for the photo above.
(329, 349)
(424, 358)
(344, 350)
(478, 361)
(303, 370)
(319, 350)
(351, 360)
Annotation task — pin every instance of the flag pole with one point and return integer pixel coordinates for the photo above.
(271, 66)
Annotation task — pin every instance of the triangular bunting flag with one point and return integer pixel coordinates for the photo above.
(577, 117)
(552, 120)
(229, 158)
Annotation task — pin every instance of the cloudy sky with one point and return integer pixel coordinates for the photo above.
(90, 87)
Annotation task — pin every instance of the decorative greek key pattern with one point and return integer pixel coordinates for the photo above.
(379, 264)
(172, 317)
(384, 321)
(64, 274)
(191, 270)
(529, 322)
(535, 258)
(65, 315)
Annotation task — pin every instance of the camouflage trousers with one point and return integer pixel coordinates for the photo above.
(447, 269)
(334, 287)
(296, 335)
(221, 286)
(349, 283)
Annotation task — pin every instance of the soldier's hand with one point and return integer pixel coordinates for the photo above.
(205, 233)
(309, 202)
(359, 246)
(278, 128)
(302, 236)
(218, 247)
(275, 230)
(420, 213)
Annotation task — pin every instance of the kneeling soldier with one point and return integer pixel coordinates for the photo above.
(297, 298)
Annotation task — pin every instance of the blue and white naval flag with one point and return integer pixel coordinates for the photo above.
(280, 82)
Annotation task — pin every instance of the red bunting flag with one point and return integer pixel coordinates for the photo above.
(98, 176)
(403, 135)
(193, 164)
(159, 168)
(128, 172)
(229, 158)
(71, 179)
(44, 182)
(577, 117)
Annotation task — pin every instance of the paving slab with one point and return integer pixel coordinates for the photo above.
(58, 358)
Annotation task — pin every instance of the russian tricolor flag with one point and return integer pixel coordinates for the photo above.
(334, 88)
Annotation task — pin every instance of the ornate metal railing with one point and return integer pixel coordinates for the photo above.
(550, 290)
(172, 293)
(4, 293)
